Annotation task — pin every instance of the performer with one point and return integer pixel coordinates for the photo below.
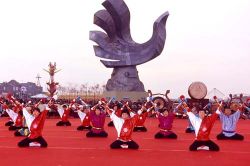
(202, 125)
(166, 118)
(234, 104)
(117, 109)
(229, 120)
(97, 118)
(15, 112)
(124, 126)
(24, 131)
(83, 113)
(246, 108)
(64, 114)
(4, 105)
(18, 118)
(35, 122)
(139, 126)
(180, 108)
(142, 116)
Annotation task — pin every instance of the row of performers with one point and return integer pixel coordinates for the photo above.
(124, 119)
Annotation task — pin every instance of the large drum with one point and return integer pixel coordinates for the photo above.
(197, 90)
(159, 101)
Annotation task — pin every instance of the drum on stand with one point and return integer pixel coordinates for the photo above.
(197, 90)
(160, 102)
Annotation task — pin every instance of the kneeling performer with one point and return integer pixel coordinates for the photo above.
(35, 122)
(124, 127)
(202, 125)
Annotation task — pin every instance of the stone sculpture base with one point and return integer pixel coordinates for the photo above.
(119, 95)
(125, 79)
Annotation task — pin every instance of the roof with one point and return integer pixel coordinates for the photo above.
(215, 92)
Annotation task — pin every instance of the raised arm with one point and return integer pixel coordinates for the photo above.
(170, 102)
(219, 108)
(151, 108)
(127, 106)
(230, 100)
(189, 111)
(241, 105)
(28, 117)
(95, 106)
(14, 102)
(108, 110)
(241, 98)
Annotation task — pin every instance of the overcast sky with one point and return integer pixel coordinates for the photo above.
(207, 41)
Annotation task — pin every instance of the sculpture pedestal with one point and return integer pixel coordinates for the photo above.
(125, 79)
(119, 95)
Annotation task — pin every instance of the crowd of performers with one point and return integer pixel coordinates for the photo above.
(27, 119)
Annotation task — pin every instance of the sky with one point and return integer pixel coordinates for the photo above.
(207, 41)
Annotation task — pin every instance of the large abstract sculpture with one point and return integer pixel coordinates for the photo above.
(118, 48)
(52, 85)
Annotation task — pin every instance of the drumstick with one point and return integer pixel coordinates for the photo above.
(29, 102)
(206, 106)
(82, 102)
(112, 98)
(40, 101)
(180, 104)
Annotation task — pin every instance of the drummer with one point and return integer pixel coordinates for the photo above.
(229, 119)
(64, 113)
(179, 107)
(117, 109)
(166, 118)
(142, 116)
(202, 125)
(124, 126)
(35, 122)
(83, 113)
(97, 118)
